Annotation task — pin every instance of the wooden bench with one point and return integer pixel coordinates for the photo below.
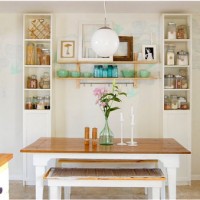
(90, 177)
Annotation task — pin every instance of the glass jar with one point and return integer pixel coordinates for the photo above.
(181, 32)
(45, 60)
(169, 81)
(178, 82)
(95, 71)
(30, 54)
(45, 81)
(34, 102)
(184, 106)
(180, 101)
(115, 71)
(171, 31)
(100, 71)
(182, 58)
(28, 103)
(28, 82)
(33, 82)
(174, 102)
(47, 102)
(39, 48)
(40, 103)
(110, 68)
(171, 55)
(184, 83)
(167, 103)
(105, 72)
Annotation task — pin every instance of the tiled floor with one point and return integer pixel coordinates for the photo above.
(17, 191)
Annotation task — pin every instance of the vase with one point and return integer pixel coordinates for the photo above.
(106, 135)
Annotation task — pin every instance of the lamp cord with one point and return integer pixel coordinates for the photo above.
(105, 13)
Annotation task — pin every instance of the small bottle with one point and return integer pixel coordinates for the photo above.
(87, 136)
(115, 71)
(171, 55)
(110, 68)
(105, 72)
(94, 136)
(47, 102)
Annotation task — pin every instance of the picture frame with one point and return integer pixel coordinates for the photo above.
(125, 50)
(67, 50)
(149, 52)
(86, 31)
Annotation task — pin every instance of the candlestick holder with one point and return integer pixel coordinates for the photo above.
(121, 143)
(132, 142)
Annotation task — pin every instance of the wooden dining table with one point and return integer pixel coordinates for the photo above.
(166, 150)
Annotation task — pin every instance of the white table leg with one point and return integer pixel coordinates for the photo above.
(155, 193)
(39, 170)
(171, 173)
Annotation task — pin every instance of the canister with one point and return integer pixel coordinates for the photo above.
(169, 81)
(171, 55)
(182, 58)
(171, 30)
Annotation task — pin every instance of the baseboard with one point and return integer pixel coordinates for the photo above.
(195, 177)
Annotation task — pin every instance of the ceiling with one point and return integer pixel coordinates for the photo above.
(66, 6)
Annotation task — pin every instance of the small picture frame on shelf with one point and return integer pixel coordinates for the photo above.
(149, 52)
(125, 50)
(67, 50)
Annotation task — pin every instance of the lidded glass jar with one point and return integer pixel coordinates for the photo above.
(33, 81)
(28, 103)
(184, 82)
(47, 102)
(40, 104)
(182, 58)
(169, 81)
(45, 60)
(30, 54)
(174, 102)
(178, 82)
(171, 31)
(181, 32)
(167, 103)
(171, 55)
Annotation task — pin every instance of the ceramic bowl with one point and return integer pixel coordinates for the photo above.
(144, 73)
(75, 74)
(87, 74)
(127, 73)
(62, 73)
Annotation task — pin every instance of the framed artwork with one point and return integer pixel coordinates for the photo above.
(149, 52)
(125, 50)
(85, 51)
(67, 50)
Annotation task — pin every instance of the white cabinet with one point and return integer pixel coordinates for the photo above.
(37, 82)
(177, 85)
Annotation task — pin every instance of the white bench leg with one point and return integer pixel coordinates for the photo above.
(155, 193)
(54, 192)
(67, 193)
(163, 191)
(149, 192)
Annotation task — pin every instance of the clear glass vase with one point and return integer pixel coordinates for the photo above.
(106, 135)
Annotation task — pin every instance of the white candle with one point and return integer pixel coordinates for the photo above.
(132, 119)
(121, 117)
(131, 110)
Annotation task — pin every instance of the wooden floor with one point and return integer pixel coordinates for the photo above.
(17, 191)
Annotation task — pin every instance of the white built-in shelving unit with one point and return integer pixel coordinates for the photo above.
(37, 31)
(177, 122)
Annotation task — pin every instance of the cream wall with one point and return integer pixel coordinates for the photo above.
(75, 108)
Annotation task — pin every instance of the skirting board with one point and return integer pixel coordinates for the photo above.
(195, 177)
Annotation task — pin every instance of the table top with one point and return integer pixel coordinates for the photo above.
(4, 158)
(76, 145)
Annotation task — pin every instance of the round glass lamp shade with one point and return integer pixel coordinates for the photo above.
(105, 42)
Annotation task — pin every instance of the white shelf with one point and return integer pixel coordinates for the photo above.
(37, 89)
(177, 40)
(37, 66)
(37, 40)
(177, 66)
(45, 111)
(176, 89)
(177, 111)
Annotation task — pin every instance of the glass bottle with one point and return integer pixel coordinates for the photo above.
(39, 48)
(34, 102)
(110, 68)
(171, 31)
(95, 71)
(105, 72)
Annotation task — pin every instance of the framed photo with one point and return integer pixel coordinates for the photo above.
(125, 50)
(85, 51)
(149, 52)
(67, 50)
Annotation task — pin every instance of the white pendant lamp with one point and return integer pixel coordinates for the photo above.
(105, 41)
